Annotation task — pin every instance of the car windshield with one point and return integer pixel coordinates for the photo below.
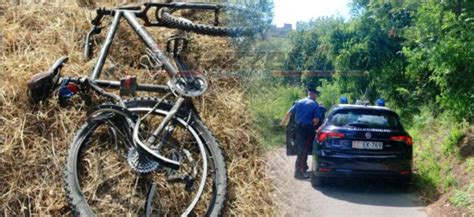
(365, 118)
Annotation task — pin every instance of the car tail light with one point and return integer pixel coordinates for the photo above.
(405, 172)
(323, 136)
(406, 139)
(324, 169)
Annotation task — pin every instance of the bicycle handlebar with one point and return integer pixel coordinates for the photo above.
(141, 12)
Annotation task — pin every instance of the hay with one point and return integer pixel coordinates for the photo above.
(34, 139)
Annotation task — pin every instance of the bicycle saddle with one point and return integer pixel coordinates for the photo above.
(41, 84)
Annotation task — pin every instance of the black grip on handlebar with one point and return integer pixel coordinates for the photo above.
(101, 12)
(88, 45)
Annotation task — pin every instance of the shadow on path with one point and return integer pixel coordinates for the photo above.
(376, 192)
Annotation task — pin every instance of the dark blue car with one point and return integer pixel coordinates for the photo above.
(362, 141)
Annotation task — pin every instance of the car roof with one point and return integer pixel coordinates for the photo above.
(368, 107)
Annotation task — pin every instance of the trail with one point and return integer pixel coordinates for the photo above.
(340, 198)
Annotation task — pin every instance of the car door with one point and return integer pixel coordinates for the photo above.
(291, 137)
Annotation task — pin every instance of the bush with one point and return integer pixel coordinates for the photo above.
(330, 93)
(436, 153)
(464, 197)
(449, 146)
(268, 104)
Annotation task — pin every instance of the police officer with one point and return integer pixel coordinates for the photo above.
(307, 117)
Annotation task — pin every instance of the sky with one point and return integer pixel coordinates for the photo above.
(291, 11)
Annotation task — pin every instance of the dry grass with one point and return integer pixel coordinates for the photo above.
(34, 139)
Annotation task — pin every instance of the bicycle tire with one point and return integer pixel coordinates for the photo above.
(76, 199)
(165, 17)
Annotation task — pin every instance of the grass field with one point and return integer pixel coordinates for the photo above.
(34, 138)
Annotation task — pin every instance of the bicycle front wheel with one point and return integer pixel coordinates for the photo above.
(107, 175)
(242, 22)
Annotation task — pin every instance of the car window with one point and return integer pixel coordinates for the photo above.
(365, 118)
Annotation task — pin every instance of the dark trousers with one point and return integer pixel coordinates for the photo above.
(304, 138)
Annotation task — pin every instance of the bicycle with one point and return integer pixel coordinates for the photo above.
(119, 137)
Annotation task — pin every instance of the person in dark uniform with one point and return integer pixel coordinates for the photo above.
(307, 117)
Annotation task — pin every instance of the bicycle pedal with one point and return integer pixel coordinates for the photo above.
(176, 44)
(189, 184)
(187, 180)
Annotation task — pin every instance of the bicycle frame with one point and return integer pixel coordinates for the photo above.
(131, 17)
(147, 152)
(183, 85)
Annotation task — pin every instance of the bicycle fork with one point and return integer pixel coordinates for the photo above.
(147, 146)
(166, 120)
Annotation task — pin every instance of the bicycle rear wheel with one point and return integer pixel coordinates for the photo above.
(106, 175)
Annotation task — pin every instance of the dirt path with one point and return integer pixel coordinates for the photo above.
(341, 198)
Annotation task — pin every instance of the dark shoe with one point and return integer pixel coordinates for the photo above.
(301, 175)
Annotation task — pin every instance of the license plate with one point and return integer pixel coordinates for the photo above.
(367, 145)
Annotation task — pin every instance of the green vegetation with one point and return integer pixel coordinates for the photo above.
(269, 102)
(470, 165)
(449, 145)
(411, 53)
(268, 107)
(415, 54)
(463, 197)
(435, 151)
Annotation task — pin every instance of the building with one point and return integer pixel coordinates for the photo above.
(275, 31)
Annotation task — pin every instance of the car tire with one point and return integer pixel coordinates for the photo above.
(318, 181)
